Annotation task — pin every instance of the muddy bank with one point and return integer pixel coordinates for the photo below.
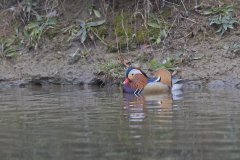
(211, 66)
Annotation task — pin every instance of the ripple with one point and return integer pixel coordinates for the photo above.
(73, 123)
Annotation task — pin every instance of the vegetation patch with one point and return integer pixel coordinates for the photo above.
(222, 18)
(234, 48)
(167, 64)
(158, 30)
(112, 69)
(86, 29)
(7, 48)
(35, 30)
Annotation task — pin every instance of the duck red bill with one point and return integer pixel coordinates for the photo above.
(126, 81)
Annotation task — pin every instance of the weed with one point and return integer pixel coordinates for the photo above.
(112, 69)
(142, 35)
(235, 48)
(35, 30)
(222, 18)
(122, 25)
(7, 49)
(157, 30)
(101, 31)
(71, 30)
(157, 39)
(224, 10)
(78, 54)
(123, 30)
(167, 64)
(223, 23)
(86, 29)
(25, 10)
(95, 11)
(112, 48)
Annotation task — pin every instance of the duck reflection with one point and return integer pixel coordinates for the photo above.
(145, 113)
(138, 107)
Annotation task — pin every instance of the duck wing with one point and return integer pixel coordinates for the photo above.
(139, 81)
(165, 75)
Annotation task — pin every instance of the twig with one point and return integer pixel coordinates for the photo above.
(147, 7)
(189, 19)
(117, 40)
(126, 34)
(174, 4)
(184, 7)
(170, 28)
(99, 38)
(185, 36)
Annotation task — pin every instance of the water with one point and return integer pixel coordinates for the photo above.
(72, 123)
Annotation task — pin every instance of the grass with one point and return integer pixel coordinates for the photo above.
(222, 10)
(222, 18)
(235, 48)
(7, 48)
(113, 69)
(35, 30)
(223, 23)
(167, 64)
(157, 29)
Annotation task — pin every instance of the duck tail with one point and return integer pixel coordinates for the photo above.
(165, 75)
(177, 84)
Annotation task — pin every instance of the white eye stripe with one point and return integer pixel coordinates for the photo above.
(134, 71)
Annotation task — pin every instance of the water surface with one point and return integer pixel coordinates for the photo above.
(70, 123)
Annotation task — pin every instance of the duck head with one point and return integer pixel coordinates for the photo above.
(135, 79)
(132, 72)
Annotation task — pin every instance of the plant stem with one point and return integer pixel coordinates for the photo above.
(99, 38)
(126, 34)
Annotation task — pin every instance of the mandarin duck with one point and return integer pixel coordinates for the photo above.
(137, 82)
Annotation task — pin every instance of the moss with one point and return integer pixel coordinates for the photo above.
(122, 24)
(51, 33)
(166, 13)
(159, 22)
(125, 27)
(154, 32)
(122, 30)
(101, 30)
(122, 43)
(127, 30)
(169, 64)
(144, 57)
(141, 35)
(112, 48)
(154, 64)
